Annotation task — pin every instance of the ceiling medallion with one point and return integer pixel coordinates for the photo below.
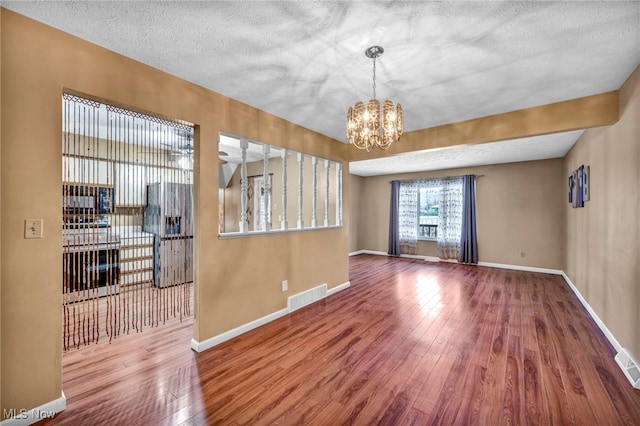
(364, 128)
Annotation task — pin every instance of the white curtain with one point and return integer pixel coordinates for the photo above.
(450, 218)
(408, 217)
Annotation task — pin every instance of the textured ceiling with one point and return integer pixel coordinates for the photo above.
(526, 149)
(304, 61)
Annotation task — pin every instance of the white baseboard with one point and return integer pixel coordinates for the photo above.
(593, 314)
(377, 253)
(521, 268)
(228, 335)
(338, 288)
(412, 256)
(623, 358)
(25, 416)
(487, 264)
(408, 256)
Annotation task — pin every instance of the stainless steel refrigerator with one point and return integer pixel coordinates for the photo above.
(169, 216)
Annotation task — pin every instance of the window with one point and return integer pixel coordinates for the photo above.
(302, 191)
(428, 209)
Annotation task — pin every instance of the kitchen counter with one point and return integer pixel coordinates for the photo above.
(128, 232)
(89, 239)
(136, 256)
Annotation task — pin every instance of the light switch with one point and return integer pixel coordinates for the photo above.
(33, 228)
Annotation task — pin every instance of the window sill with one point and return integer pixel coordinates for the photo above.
(427, 239)
(230, 235)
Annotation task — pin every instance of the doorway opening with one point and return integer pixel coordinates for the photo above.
(127, 228)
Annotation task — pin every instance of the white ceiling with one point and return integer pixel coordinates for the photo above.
(443, 61)
(526, 149)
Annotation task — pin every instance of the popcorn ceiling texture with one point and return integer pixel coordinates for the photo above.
(525, 149)
(304, 61)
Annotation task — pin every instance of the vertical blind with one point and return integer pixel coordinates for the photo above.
(127, 200)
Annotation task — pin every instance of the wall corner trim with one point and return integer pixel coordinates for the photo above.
(228, 335)
(44, 411)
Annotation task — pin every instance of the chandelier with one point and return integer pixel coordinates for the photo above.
(364, 121)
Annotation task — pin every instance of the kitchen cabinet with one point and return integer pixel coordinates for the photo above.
(131, 182)
(140, 178)
(174, 175)
(136, 259)
(87, 171)
(174, 261)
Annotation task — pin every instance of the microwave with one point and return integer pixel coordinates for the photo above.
(87, 199)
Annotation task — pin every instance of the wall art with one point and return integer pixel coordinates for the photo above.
(578, 186)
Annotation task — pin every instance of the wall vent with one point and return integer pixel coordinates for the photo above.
(629, 367)
(305, 298)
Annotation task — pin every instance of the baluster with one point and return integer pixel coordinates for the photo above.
(314, 194)
(266, 187)
(339, 194)
(300, 183)
(284, 225)
(244, 228)
(327, 169)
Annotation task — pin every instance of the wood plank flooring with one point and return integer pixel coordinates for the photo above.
(409, 343)
(133, 309)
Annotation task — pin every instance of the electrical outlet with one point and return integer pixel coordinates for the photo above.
(33, 228)
(285, 285)
(522, 254)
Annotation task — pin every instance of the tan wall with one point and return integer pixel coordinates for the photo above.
(603, 237)
(356, 213)
(1, 130)
(237, 281)
(519, 208)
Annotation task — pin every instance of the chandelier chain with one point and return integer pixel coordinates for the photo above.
(374, 77)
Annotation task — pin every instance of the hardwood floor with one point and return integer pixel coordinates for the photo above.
(131, 310)
(409, 343)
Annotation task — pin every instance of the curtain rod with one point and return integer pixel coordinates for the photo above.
(428, 178)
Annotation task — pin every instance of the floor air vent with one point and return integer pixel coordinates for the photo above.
(629, 367)
(305, 298)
